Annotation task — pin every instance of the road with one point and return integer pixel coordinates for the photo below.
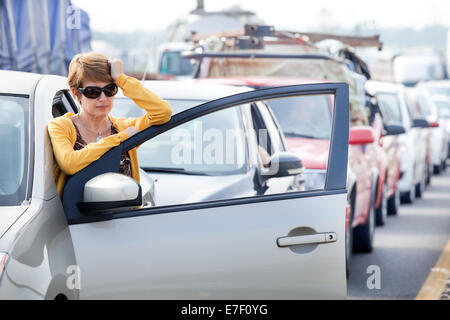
(406, 248)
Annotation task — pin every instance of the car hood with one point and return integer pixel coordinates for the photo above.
(173, 188)
(8, 215)
(313, 152)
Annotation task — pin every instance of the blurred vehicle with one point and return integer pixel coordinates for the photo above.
(388, 158)
(443, 105)
(288, 245)
(440, 90)
(171, 62)
(412, 67)
(412, 144)
(437, 135)
(213, 180)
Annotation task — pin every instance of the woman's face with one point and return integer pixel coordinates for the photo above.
(96, 108)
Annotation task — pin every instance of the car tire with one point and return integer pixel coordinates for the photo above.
(437, 169)
(409, 197)
(420, 188)
(381, 211)
(429, 173)
(364, 234)
(393, 203)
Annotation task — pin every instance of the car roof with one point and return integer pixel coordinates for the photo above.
(373, 86)
(261, 81)
(435, 83)
(15, 82)
(190, 90)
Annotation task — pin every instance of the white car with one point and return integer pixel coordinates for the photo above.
(98, 242)
(443, 104)
(413, 168)
(439, 147)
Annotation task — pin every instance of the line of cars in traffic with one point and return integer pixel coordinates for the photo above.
(397, 134)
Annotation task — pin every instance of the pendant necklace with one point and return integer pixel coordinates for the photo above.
(99, 133)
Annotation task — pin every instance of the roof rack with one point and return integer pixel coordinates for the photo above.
(294, 37)
(199, 56)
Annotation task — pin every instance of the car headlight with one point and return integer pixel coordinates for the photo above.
(3, 260)
(314, 179)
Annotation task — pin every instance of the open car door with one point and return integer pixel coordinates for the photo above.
(288, 245)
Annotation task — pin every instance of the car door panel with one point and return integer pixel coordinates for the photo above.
(223, 249)
(227, 252)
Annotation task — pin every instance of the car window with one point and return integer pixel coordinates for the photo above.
(173, 63)
(390, 106)
(190, 148)
(423, 105)
(444, 108)
(304, 117)
(14, 149)
(277, 142)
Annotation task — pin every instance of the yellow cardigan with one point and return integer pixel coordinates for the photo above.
(63, 133)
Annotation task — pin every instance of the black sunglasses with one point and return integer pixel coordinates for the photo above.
(94, 92)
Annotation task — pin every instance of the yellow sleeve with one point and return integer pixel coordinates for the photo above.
(71, 161)
(158, 111)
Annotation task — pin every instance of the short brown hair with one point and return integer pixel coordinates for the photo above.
(90, 66)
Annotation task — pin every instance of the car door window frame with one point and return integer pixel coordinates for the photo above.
(337, 162)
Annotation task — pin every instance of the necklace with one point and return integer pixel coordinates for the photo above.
(99, 133)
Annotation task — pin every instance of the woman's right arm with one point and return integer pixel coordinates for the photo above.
(71, 161)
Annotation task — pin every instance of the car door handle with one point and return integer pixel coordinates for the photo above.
(317, 238)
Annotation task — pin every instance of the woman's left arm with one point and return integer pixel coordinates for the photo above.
(158, 111)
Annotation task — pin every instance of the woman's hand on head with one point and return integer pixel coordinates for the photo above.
(117, 67)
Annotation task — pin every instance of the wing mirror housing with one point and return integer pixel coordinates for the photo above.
(284, 164)
(420, 123)
(393, 130)
(361, 135)
(110, 192)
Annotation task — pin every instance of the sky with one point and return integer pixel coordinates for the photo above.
(151, 15)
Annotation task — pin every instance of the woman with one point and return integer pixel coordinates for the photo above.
(80, 139)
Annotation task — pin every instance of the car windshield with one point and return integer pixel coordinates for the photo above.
(304, 117)
(390, 106)
(210, 145)
(14, 146)
(444, 108)
(173, 63)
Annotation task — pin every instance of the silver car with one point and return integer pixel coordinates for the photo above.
(100, 240)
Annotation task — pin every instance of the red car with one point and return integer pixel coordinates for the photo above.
(310, 140)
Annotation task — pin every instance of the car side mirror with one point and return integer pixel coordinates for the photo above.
(420, 123)
(110, 192)
(284, 164)
(393, 129)
(361, 135)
